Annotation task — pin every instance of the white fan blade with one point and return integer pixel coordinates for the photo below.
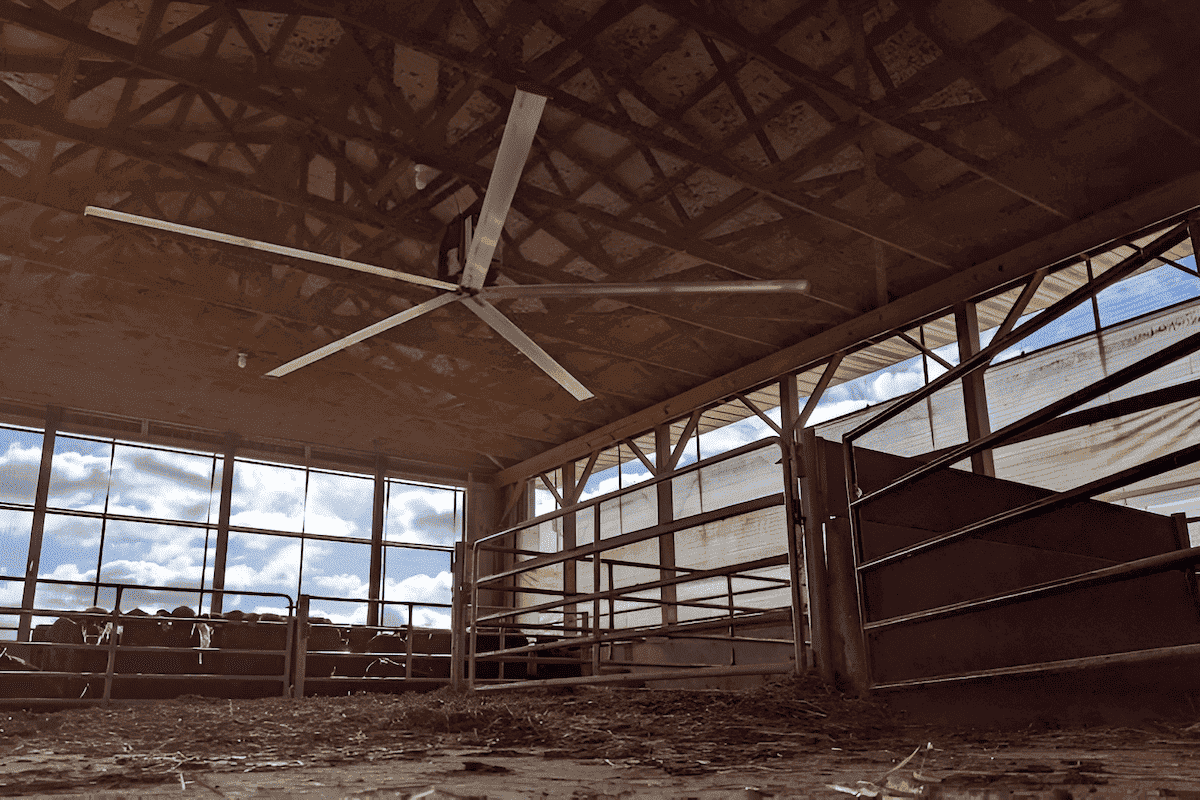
(267, 247)
(523, 121)
(617, 289)
(517, 338)
(365, 333)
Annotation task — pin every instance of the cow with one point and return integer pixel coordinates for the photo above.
(61, 647)
(325, 644)
(239, 631)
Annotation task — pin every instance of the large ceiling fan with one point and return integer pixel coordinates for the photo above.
(470, 290)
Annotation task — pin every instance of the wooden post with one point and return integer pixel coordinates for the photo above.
(966, 321)
(375, 590)
(36, 533)
(789, 415)
(219, 558)
(666, 514)
(814, 514)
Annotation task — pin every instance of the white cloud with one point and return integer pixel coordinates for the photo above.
(147, 573)
(280, 573)
(832, 410)
(18, 472)
(421, 515)
(341, 585)
(421, 588)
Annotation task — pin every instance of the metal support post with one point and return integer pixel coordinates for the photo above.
(33, 564)
(219, 558)
(966, 322)
(596, 590)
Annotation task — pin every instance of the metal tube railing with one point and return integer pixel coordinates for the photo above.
(115, 629)
(771, 561)
(592, 551)
(1028, 425)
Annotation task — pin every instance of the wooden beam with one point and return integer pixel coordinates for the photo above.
(1113, 223)
(1046, 27)
(810, 405)
(975, 407)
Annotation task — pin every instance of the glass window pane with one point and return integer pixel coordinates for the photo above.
(262, 563)
(339, 613)
(269, 497)
(20, 457)
(422, 576)
(339, 505)
(15, 527)
(70, 547)
(421, 515)
(164, 484)
(14, 545)
(154, 555)
(336, 569)
(79, 474)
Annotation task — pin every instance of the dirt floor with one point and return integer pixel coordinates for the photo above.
(791, 738)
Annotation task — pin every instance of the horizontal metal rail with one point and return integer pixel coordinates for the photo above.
(634, 537)
(1151, 565)
(1151, 363)
(660, 675)
(1034, 425)
(1149, 656)
(719, 572)
(674, 630)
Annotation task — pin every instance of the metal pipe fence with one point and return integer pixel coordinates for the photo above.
(584, 632)
(1030, 426)
(112, 626)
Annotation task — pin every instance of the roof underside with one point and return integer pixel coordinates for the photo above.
(873, 148)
